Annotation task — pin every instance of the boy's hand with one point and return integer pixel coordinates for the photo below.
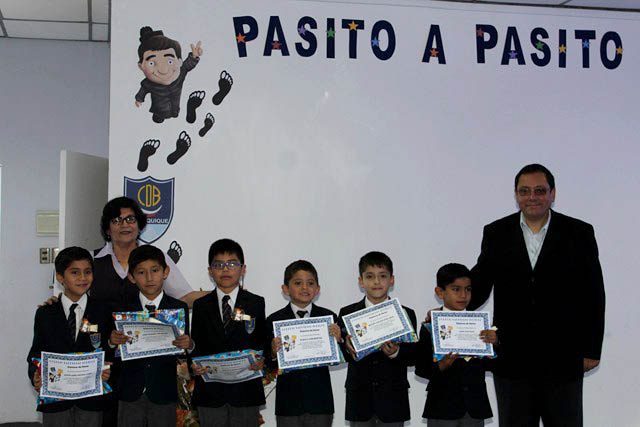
(118, 338)
(106, 371)
(350, 349)
(448, 360)
(258, 365)
(37, 380)
(183, 341)
(276, 345)
(390, 348)
(198, 370)
(489, 336)
(427, 318)
(196, 50)
(589, 364)
(334, 331)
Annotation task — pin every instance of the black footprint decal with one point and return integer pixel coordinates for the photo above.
(195, 99)
(175, 251)
(147, 150)
(182, 146)
(208, 124)
(224, 84)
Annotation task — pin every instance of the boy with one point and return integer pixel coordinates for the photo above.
(148, 387)
(216, 330)
(57, 329)
(377, 388)
(303, 397)
(457, 393)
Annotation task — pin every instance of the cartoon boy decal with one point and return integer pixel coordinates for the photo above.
(160, 60)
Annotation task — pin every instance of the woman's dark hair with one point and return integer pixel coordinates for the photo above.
(112, 210)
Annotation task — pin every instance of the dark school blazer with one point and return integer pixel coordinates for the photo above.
(209, 336)
(51, 333)
(377, 385)
(303, 390)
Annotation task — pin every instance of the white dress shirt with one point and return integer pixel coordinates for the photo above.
(296, 309)
(233, 295)
(532, 240)
(80, 309)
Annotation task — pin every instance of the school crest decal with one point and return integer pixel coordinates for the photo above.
(155, 197)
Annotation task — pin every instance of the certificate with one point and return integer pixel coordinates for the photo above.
(459, 332)
(71, 376)
(229, 368)
(306, 343)
(371, 327)
(148, 339)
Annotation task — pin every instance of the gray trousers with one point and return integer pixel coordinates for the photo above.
(375, 422)
(143, 413)
(305, 420)
(465, 421)
(72, 417)
(229, 416)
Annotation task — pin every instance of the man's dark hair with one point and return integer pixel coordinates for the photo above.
(68, 255)
(300, 265)
(156, 40)
(375, 259)
(535, 168)
(448, 273)
(146, 253)
(112, 210)
(226, 246)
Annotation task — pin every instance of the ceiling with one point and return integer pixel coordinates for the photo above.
(88, 20)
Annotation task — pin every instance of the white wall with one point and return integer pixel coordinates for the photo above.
(55, 95)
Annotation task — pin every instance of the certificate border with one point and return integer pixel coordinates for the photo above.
(96, 391)
(399, 310)
(333, 358)
(437, 347)
(125, 354)
(228, 356)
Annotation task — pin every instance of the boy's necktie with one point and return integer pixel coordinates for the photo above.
(301, 313)
(226, 311)
(71, 322)
(150, 308)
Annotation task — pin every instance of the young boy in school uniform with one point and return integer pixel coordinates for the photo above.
(215, 330)
(303, 397)
(377, 389)
(457, 393)
(147, 387)
(57, 329)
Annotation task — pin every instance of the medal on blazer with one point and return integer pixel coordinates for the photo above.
(87, 327)
(240, 316)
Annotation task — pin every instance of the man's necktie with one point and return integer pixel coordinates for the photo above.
(301, 313)
(71, 322)
(226, 311)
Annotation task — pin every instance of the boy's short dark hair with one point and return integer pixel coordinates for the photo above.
(535, 168)
(156, 40)
(146, 253)
(226, 246)
(448, 273)
(112, 210)
(73, 253)
(375, 259)
(300, 265)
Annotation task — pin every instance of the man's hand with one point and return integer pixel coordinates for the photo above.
(589, 364)
(196, 50)
(183, 341)
(52, 300)
(448, 360)
(390, 348)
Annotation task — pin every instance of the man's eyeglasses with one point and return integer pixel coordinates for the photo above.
(538, 191)
(128, 219)
(231, 265)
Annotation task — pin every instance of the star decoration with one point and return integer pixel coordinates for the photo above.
(513, 54)
(619, 50)
(479, 32)
(434, 52)
(375, 42)
(539, 45)
(302, 31)
(585, 43)
(562, 49)
(331, 33)
(352, 26)
(275, 45)
(240, 38)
